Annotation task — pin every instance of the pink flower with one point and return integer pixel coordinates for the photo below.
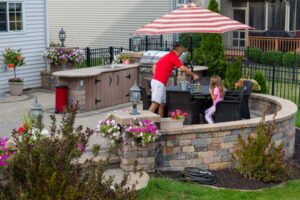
(80, 147)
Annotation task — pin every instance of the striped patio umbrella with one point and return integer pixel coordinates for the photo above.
(191, 19)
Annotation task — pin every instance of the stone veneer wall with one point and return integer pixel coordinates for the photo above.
(210, 146)
(76, 91)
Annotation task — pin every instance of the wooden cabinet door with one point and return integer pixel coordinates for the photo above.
(131, 76)
(119, 87)
(98, 99)
(103, 90)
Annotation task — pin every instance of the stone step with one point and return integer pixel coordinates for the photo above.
(113, 159)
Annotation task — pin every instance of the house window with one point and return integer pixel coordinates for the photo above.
(11, 17)
(3, 16)
(180, 3)
(257, 15)
(276, 18)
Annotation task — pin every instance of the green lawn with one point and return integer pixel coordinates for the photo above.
(164, 189)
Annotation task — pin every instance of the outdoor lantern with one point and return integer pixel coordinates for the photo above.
(36, 110)
(135, 95)
(62, 36)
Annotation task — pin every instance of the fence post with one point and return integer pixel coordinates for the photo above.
(166, 45)
(161, 42)
(273, 79)
(130, 40)
(88, 57)
(111, 54)
(146, 42)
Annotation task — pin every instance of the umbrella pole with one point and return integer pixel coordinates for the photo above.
(191, 46)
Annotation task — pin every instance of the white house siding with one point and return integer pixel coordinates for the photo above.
(99, 23)
(32, 40)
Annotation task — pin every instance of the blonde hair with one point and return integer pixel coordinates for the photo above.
(215, 81)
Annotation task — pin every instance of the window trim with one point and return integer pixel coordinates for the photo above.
(7, 15)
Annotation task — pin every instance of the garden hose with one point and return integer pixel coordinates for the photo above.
(190, 174)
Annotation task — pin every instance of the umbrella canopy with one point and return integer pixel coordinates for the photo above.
(191, 19)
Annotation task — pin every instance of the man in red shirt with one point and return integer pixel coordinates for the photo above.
(161, 73)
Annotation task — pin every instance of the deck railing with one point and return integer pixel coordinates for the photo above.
(275, 43)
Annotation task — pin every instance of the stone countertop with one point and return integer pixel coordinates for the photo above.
(93, 71)
(198, 68)
(123, 117)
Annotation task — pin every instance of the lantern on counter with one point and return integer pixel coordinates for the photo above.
(35, 110)
(135, 95)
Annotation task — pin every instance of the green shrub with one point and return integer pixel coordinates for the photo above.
(291, 59)
(254, 54)
(211, 50)
(261, 80)
(259, 158)
(48, 168)
(185, 40)
(272, 58)
(233, 74)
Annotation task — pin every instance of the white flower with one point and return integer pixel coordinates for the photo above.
(45, 132)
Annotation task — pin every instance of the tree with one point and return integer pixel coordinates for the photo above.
(211, 50)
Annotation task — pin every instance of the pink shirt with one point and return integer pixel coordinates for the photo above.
(217, 95)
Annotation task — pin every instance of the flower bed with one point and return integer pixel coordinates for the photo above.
(135, 142)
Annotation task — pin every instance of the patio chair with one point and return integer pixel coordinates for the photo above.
(205, 80)
(234, 95)
(229, 110)
(185, 102)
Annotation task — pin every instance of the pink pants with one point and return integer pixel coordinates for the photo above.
(209, 113)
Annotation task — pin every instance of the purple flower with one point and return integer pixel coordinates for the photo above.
(80, 147)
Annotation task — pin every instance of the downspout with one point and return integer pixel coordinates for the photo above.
(295, 17)
(267, 15)
(46, 30)
(287, 16)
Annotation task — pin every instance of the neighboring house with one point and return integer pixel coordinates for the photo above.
(268, 17)
(91, 23)
(23, 25)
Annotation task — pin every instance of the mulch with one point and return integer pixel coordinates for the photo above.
(234, 180)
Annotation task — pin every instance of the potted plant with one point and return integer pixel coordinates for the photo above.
(110, 129)
(125, 59)
(63, 58)
(13, 59)
(141, 133)
(175, 121)
(255, 86)
(138, 147)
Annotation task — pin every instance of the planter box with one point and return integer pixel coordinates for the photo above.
(169, 123)
(135, 158)
(16, 88)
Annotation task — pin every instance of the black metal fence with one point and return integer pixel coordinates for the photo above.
(282, 81)
(281, 69)
(150, 43)
(100, 56)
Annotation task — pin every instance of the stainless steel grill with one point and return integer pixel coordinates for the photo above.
(147, 62)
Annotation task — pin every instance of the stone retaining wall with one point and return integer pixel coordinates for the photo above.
(210, 146)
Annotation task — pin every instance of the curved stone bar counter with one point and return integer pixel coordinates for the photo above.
(99, 87)
(209, 146)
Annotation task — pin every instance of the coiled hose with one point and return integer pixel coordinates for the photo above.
(190, 174)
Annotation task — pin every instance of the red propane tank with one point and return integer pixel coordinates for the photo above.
(61, 98)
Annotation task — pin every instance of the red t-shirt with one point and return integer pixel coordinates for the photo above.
(165, 66)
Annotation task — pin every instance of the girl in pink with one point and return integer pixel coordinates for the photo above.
(217, 94)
